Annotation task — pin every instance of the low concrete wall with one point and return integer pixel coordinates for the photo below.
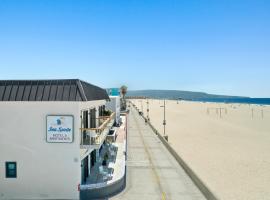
(197, 181)
(106, 191)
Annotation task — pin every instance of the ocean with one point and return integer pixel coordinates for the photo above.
(259, 101)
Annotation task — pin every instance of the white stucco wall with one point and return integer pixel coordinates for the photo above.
(91, 104)
(44, 170)
(114, 105)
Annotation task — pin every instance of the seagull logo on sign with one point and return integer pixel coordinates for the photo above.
(58, 121)
(59, 126)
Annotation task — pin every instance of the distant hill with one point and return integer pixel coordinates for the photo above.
(176, 94)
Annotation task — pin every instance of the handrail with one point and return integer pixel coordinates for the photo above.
(103, 117)
(102, 126)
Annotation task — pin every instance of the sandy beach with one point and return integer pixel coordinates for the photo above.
(227, 145)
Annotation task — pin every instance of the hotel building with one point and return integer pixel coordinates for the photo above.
(51, 133)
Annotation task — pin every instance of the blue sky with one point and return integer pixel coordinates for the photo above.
(215, 46)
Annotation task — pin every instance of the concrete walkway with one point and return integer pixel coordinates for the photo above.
(152, 172)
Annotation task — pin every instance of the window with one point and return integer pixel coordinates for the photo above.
(11, 170)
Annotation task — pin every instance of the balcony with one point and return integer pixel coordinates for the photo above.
(96, 136)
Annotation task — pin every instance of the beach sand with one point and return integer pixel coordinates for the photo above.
(230, 153)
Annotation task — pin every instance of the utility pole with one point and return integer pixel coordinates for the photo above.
(148, 110)
(164, 120)
(141, 106)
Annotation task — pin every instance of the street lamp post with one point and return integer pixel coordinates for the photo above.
(148, 110)
(142, 106)
(164, 120)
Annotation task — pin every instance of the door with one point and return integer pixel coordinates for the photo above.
(93, 158)
(93, 118)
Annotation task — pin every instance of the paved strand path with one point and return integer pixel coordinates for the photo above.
(152, 172)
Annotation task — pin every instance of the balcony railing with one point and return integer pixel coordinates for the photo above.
(95, 136)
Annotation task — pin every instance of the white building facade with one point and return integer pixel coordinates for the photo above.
(44, 152)
(114, 105)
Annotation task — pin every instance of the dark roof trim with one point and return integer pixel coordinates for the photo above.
(50, 90)
(81, 90)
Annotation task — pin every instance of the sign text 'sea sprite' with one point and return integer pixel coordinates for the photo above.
(59, 128)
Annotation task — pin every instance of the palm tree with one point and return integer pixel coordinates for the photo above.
(123, 90)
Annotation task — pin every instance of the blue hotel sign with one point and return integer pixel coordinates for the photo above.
(114, 92)
(59, 129)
